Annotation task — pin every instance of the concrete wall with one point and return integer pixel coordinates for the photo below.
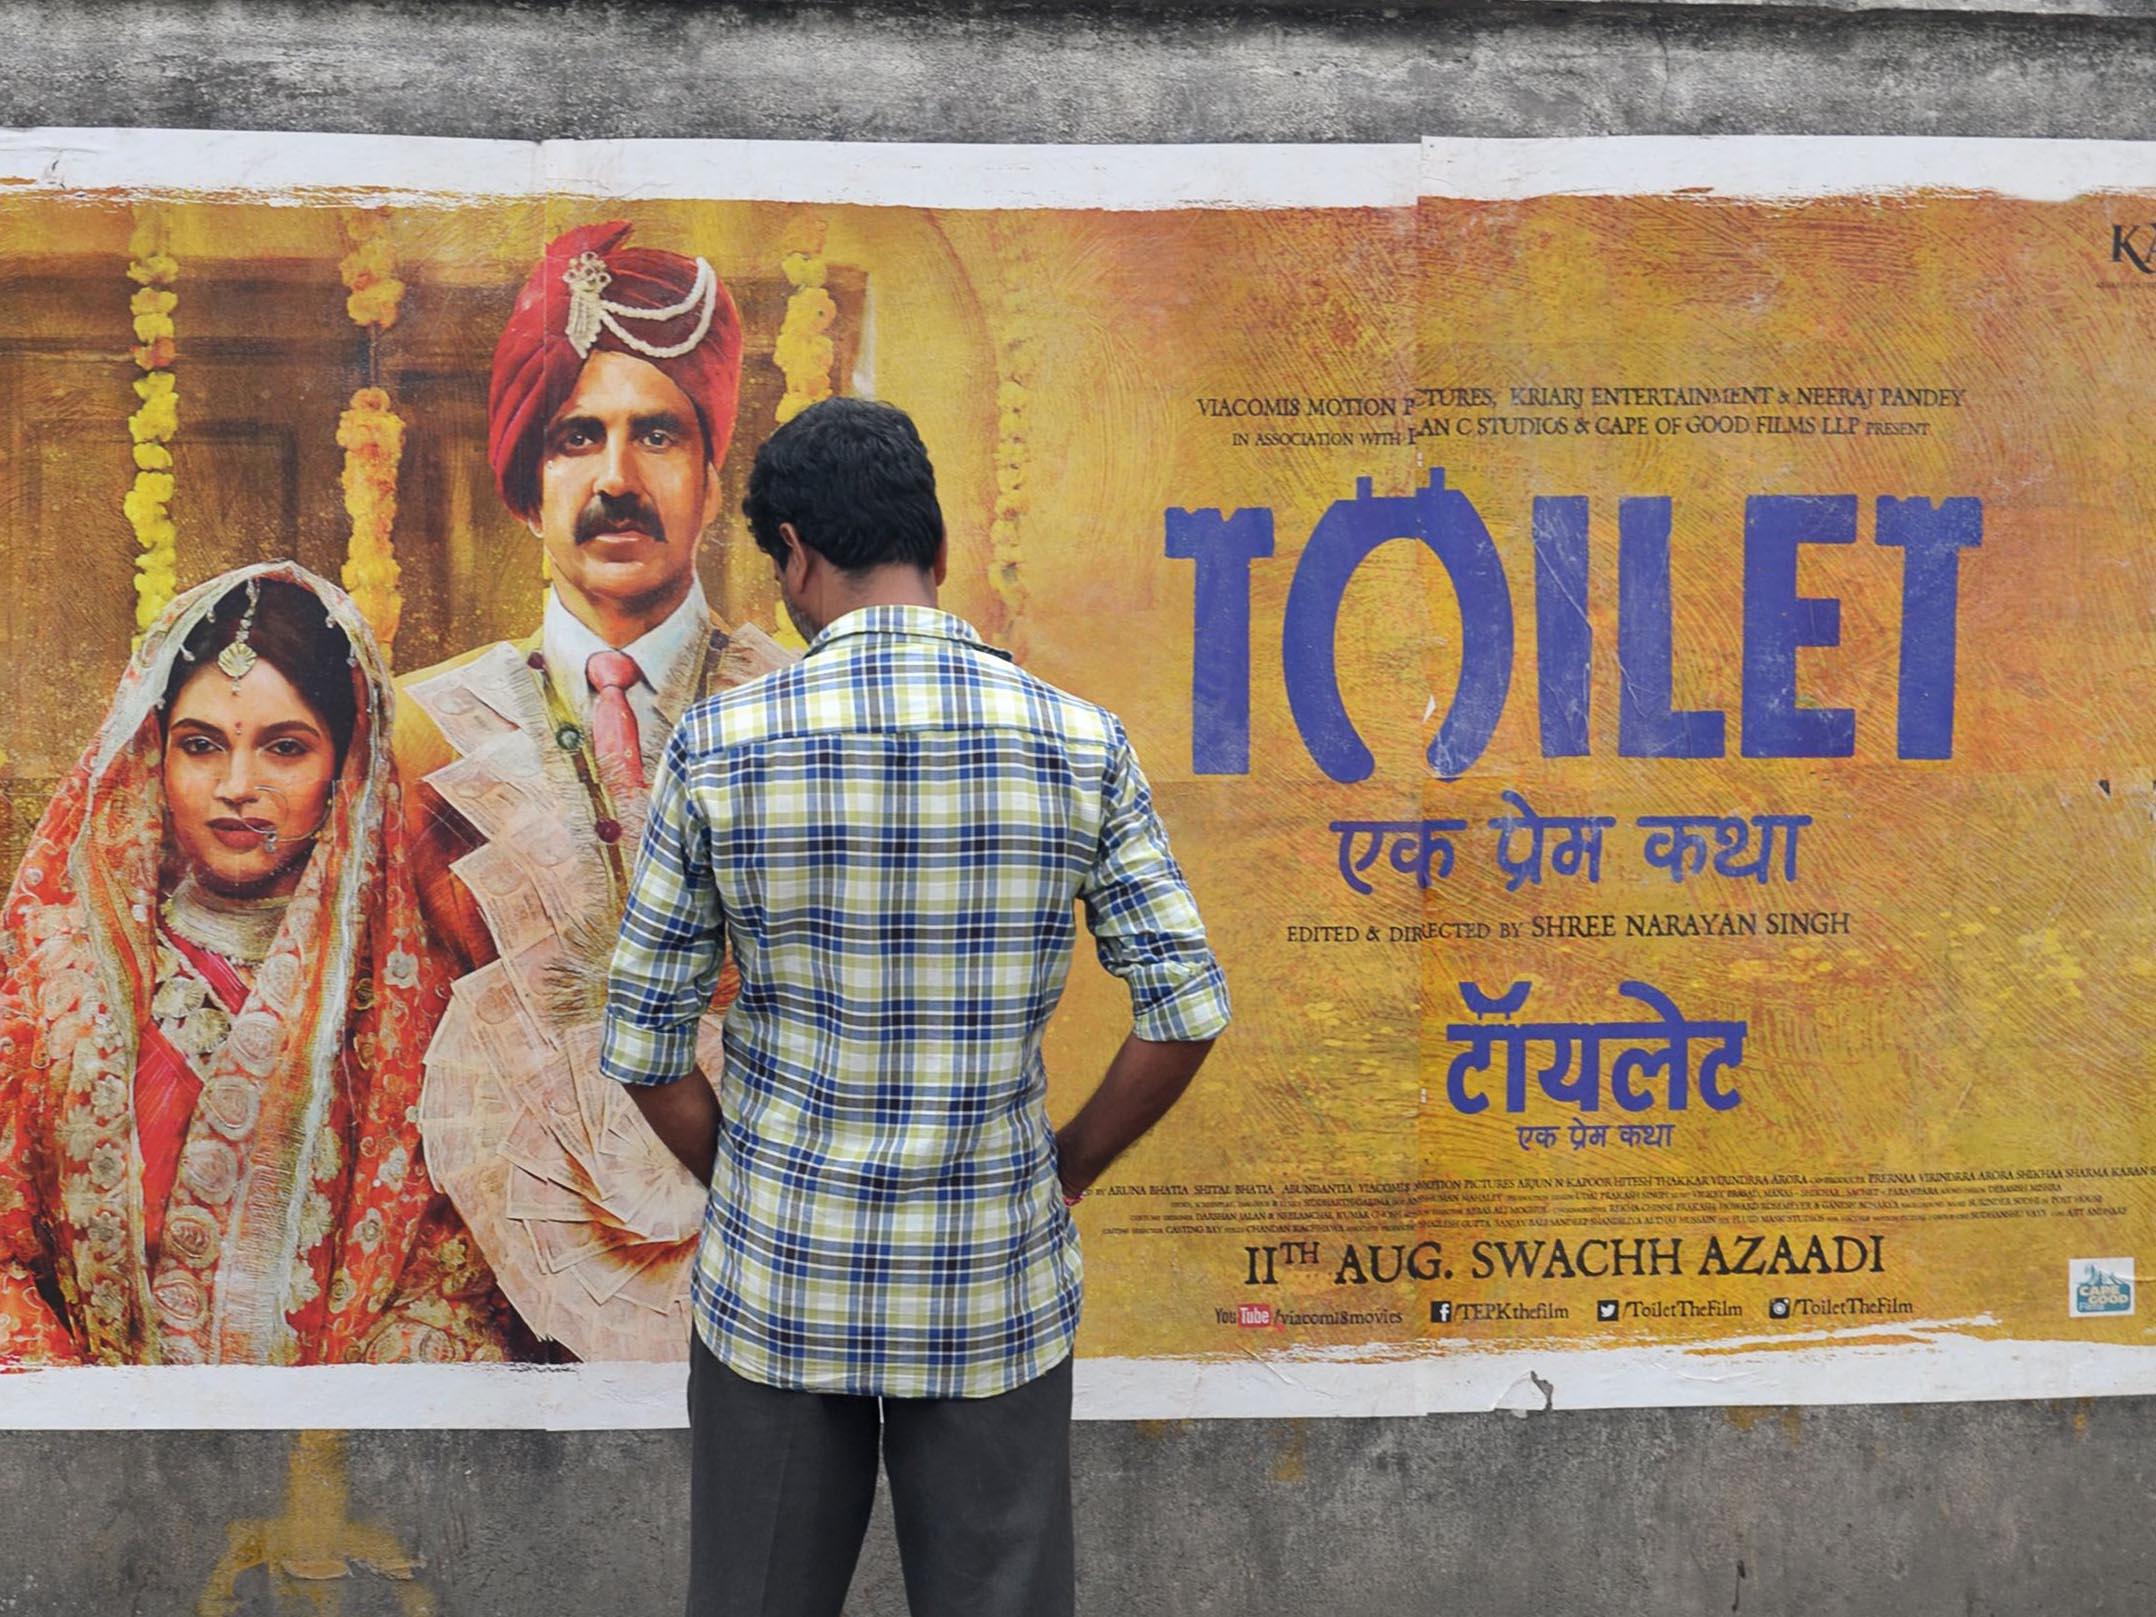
(1974, 1510)
(2036, 1509)
(1086, 72)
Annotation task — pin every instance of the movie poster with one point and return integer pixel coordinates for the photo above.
(1637, 645)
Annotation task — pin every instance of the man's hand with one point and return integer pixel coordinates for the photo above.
(685, 1116)
(1143, 1081)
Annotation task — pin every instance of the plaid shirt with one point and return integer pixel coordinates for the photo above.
(890, 836)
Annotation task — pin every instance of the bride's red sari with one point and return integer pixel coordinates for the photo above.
(231, 1174)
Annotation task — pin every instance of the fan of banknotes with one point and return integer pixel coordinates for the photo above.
(589, 1221)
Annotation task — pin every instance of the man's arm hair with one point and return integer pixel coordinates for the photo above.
(1146, 1078)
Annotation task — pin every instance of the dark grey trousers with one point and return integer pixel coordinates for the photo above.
(781, 1483)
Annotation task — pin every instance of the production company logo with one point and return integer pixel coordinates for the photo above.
(2099, 1286)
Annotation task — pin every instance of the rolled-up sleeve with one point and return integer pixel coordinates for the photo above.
(672, 941)
(1144, 921)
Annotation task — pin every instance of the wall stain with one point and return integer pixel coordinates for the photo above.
(1289, 1465)
(1746, 1416)
(314, 1544)
(1160, 1429)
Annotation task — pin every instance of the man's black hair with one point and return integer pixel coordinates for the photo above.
(853, 478)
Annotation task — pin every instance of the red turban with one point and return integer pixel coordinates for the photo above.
(586, 294)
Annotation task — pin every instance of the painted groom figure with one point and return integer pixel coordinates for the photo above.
(526, 764)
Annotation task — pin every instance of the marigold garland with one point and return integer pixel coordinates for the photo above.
(804, 350)
(148, 503)
(372, 437)
(369, 272)
(1015, 359)
(371, 433)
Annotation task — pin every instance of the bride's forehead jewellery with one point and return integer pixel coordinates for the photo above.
(238, 657)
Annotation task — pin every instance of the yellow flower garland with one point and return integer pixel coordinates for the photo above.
(369, 272)
(372, 437)
(1012, 499)
(1015, 359)
(371, 433)
(804, 350)
(148, 504)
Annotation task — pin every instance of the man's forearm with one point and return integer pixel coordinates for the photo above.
(1143, 1081)
(685, 1117)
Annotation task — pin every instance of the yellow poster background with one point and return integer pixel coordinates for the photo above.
(1982, 1012)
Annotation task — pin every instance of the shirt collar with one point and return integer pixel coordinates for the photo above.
(911, 622)
(569, 643)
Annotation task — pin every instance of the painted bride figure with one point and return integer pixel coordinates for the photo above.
(216, 996)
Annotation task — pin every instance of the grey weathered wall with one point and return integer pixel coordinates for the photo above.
(1979, 1510)
(1080, 72)
(2037, 1510)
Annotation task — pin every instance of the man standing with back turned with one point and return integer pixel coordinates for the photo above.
(890, 836)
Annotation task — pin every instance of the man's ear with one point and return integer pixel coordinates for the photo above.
(941, 566)
(712, 497)
(797, 555)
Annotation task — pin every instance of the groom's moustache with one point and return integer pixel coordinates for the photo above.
(605, 514)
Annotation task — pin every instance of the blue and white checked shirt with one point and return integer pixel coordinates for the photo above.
(892, 836)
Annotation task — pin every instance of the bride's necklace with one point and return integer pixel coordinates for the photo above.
(240, 929)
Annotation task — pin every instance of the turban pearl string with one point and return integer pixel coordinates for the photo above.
(587, 277)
